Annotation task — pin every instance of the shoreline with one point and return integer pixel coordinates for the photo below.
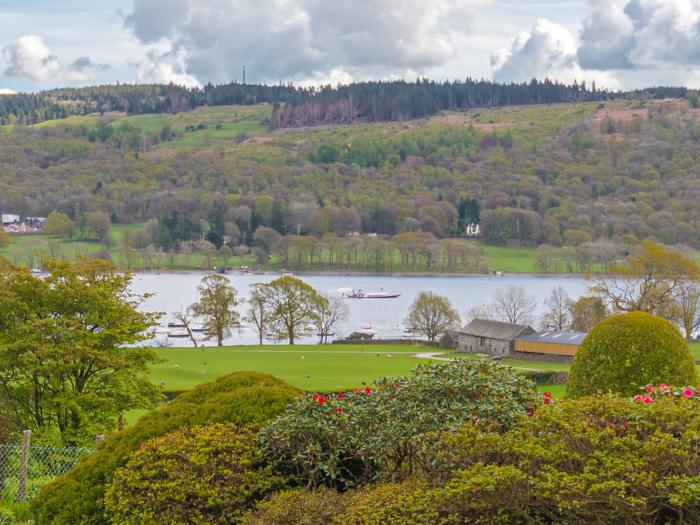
(335, 273)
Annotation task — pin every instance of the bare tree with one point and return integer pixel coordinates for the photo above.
(259, 312)
(688, 308)
(558, 314)
(482, 311)
(185, 318)
(330, 311)
(513, 305)
(586, 312)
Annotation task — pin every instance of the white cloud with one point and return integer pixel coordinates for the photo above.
(641, 34)
(29, 58)
(5, 91)
(303, 39)
(548, 50)
(159, 72)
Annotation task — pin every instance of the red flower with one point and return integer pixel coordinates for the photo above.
(648, 400)
(321, 400)
(547, 400)
(547, 394)
(688, 393)
(315, 397)
(341, 396)
(626, 425)
(638, 398)
(356, 391)
(368, 390)
(649, 389)
(530, 410)
(338, 410)
(663, 386)
(397, 385)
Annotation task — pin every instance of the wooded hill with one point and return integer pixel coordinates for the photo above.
(369, 101)
(560, 174)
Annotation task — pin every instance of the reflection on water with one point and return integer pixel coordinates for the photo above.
(176, 291)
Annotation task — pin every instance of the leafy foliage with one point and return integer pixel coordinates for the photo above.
(216, 306)
(627, 351)
(199, 475)
(347, 439)
(241, 399)
(431, 315)
(595, 460)
(69, 363)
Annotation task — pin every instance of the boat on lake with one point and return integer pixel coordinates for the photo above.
(361, 294)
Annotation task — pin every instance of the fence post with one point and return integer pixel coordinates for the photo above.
(24, 465)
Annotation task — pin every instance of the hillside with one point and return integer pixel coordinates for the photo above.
(559, 174)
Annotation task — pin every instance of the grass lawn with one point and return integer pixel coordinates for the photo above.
(309, 367)
(695, 348)
(515, 259)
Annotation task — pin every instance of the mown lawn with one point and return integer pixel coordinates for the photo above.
(309, 367)
(516, 259)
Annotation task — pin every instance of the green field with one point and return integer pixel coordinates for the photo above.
(520, 259)
(314, 367)
(309, 367)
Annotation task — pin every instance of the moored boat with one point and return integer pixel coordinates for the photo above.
(361, 294)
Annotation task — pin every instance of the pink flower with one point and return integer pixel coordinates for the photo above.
(648, 400)
(688, 393)
(626, 425)
(638, 398)
(368, 390)
(338, 410)
(142, 446)
(663, 386)
(649, 389)
(341, 396)
(356, 391)
(547, 400)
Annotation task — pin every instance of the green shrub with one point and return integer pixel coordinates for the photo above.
(348, 439)
(407, 503)
(628, 351)
(593, 460)
(196, 475)
(297, 507)
(243, 398)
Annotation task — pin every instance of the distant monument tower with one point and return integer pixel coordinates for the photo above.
(244, 74)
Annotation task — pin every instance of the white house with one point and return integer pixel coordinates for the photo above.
(8, 218)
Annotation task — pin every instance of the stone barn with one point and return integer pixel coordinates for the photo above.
(495, 338)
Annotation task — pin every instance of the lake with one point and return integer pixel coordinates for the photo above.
(175, 291)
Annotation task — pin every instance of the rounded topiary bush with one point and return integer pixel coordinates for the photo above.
(625, 352)
(243, 398)
(297, 507)
(197, 475)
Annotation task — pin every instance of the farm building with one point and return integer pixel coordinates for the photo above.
(549, 343)
(496, 338)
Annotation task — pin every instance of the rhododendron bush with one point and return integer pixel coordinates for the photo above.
(342, 440)
(596, 460)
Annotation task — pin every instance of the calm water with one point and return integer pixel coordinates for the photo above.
(175, 291)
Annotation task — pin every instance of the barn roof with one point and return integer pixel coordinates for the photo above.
(551, 336)
(495, 329)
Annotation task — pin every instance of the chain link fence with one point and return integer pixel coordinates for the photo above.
(25, 468)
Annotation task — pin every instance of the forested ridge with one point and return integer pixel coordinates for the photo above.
(592, 177)
(303, 106)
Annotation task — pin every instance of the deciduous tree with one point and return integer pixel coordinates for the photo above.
(293, 304)
(331, 311)
(217, 306)
(431, 315)
(513, 304)
(69, 363)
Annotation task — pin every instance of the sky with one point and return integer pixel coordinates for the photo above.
(619, 44)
